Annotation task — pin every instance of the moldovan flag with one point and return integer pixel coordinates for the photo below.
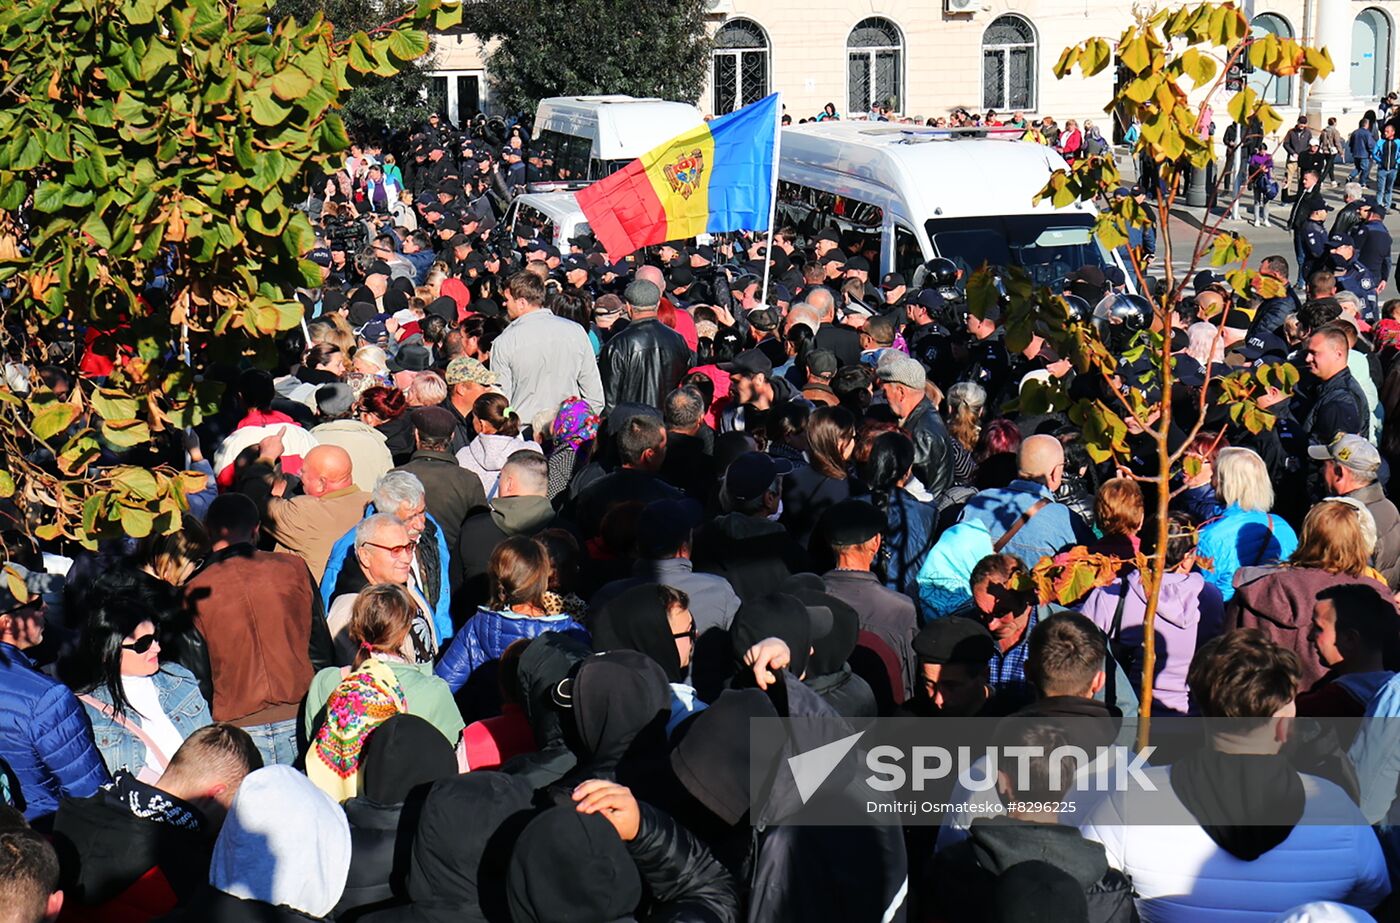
(715, 177)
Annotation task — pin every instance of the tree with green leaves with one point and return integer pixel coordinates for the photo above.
(155, 153)
(1169, 58)
(574, 47)
(381, 102)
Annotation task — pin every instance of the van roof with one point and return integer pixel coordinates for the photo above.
(620, 127)
(942, 173)
(553, 204)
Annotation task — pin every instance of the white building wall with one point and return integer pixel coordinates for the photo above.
(942, 54)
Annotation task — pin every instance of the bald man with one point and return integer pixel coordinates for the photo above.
(1023, 518)
(308, 525)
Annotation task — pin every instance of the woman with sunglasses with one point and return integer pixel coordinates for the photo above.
(141, 709)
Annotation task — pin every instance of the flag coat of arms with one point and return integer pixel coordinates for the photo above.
(715, 177)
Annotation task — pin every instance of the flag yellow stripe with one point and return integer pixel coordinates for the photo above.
(686, 215)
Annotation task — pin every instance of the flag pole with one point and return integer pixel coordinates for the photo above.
(773, 195)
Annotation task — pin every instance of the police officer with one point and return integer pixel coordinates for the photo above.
(578, 275)
(1310, 239)
(928, 339)
(990, 364)
(895, 289)
(1352, 275)
(1373, 243)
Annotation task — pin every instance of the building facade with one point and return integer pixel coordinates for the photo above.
(926, 57)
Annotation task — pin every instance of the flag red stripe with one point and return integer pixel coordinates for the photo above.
(624, 211)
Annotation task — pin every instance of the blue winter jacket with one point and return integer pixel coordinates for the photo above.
(1047, 533)
(345, 546)
(1242, 538)
(181, 701)
(907, 541)
(488, 633)
(45, 737)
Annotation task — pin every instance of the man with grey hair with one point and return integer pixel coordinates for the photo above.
(521, 507)
(1350, 468)
(904, 383)
(1350, 214)
(401, 495)
(843, 341)
(385, 550)
(689, 463)
(642, 362)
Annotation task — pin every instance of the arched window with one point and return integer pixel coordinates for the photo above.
(874, 66)
(1008, 64)
(739, 65)
(1276, 91)
(1370, 55)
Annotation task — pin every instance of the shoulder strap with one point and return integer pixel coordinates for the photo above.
(1117, 627)
(1264, 548)
(127, 723)
(1111, 655)
(1020, 523)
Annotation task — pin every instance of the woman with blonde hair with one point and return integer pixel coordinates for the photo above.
(1339, 537)
(175, 557)
(344, 704)
(1246, 534)
(966, 402)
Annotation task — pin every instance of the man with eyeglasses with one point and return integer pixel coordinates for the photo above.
(385, 551)
(45, 735)
(1006, 607)
(400, 494)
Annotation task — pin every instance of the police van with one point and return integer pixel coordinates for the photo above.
(590, 137)
(552, 217)
(915, 193)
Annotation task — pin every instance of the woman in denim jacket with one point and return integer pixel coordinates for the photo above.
(141, 710)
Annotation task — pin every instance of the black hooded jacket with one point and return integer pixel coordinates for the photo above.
(458, 867)
(572, 866)
(964, 875)
(401, 759)
(109, 840)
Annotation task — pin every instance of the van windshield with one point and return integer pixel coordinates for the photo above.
(1049, 247)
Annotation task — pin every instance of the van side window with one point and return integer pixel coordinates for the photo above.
(569, 153)
(533, 221)
(812, 210)
(907, 255)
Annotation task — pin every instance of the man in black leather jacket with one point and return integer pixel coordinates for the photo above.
(645, 361)
(903, 380)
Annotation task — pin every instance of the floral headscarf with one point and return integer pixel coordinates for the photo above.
(364, 700)
(575, 424)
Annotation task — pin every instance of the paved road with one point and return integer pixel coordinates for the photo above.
(1267, 241)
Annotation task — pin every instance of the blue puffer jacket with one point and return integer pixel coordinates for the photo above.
(45, 737)
(442, 608)
(486, 636)
(181, 701)
(1242, 538)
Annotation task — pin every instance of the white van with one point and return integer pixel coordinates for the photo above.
(924, 192)
(553, 217)
(590, 137)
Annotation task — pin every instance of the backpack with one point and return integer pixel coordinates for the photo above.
(1267, 187)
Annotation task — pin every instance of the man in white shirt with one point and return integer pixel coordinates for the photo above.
(1233, 832)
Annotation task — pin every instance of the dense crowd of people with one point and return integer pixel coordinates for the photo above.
(493, 569)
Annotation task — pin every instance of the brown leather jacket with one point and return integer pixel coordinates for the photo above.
(265, 628)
